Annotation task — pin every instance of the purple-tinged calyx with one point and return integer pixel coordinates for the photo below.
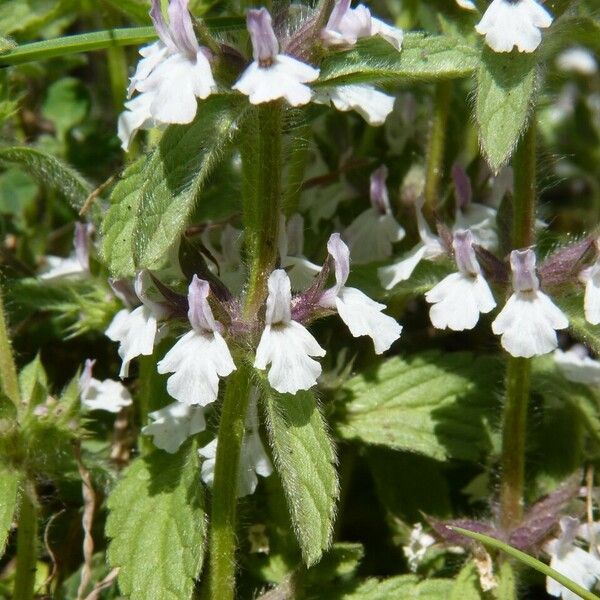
(265, 46)
(378, 190)
(464, 254)
(522, 263)
(179, 34)
(462, 187)
(564, 265)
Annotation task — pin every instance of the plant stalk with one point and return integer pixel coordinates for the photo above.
(518, 372)
(437, 144)
(26, 547)
(224, 494)
(9, 380)
(261, 159)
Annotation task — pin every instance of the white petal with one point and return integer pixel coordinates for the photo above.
(107, 395)
(371, 104)
(363, 316)
(197, 361)
(58, 267)
(581, 369)
(393, 274)
(288, 349)
(392, 34)
(528, 324)
(466, 4)
(174, 424)
(458, 300)
(136, 332)
(209, 453)
(591, 300)
(579, 566)
(371, 235)
(285, 78)
(481, 220)
(507, 23)
(176, 84)
(301, 271)
(152, 56)
(577, 59)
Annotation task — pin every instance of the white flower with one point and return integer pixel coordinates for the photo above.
(371, 104)
(571, 561)
(272, 75)
(362, 315)
(172, 74)
(460, 297)
(466, 4)
(253, 458)
(200, 356)
(371, 235)
(577, 366)
(509, 23)
(591, 299)
(285, 344)
(137, 330)
(77, 264)
(417, 547)
(529, 320)
(174, 424)
(429, 248)
(107, 395)
(347, 25)
(578, 60)
(300, 270)
(481, 221)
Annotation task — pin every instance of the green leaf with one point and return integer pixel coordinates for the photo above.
(423, 58)
(466, 585)
(18, 192)
(33, 383)
(568, 32)
(305, 460)
(157, 524)
(340, 562)
(49, 171)
(529, 561)
(505, 87)
(549, 383)
(403, 587)
(507, 582)
(67, 104)
(583, 331)
(9, 487)
(438, 405)
(151, 206)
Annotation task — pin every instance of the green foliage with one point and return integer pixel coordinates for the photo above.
(33, 384)
(18, 192)
(157, 524)
(507, 583)
(505, 90)
(466, 585)
(407, 587)
(67, 103)
(305, 459)
(49, 171)
(151, 205)
(423, 58)
(437, 405)
(9, 488)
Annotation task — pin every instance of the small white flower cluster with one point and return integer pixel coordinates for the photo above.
(571, 560)
(201, 356)
(176, 71)
(529, 320)
(509, 23)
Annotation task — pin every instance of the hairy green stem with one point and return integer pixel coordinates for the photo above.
(437, 144)
(261, 160)
(26, 547)
(224, 494)
(518, 373)
(8, 371)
